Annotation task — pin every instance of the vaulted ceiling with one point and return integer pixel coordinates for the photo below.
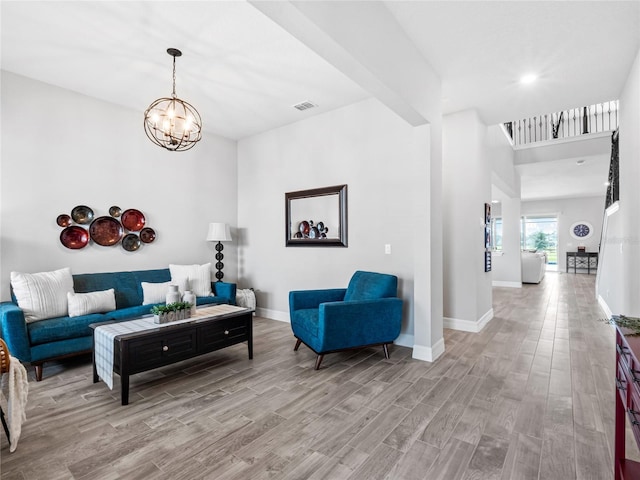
(244, 72)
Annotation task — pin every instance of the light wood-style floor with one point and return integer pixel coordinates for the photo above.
(530, 397)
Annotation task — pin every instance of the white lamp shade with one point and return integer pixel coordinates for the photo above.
(218, 232)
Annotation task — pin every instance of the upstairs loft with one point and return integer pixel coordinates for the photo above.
(571, 123)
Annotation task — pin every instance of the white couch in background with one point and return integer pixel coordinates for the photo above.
(534, 266)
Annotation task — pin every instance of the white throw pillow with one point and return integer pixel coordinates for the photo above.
(154, 292)
(42, 295)
(198, 278)
(91, 302)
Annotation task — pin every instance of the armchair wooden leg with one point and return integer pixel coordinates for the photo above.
(319, 361)
(298, 342)
(386, 351)
(38, 367)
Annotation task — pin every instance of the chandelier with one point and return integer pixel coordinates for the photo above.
(170, 122)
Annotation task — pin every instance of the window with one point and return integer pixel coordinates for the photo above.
(540, 233)
(496, 233)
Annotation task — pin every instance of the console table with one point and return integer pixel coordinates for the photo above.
(627, 401)
(588, 260)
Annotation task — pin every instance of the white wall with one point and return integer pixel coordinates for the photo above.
(365, 146)
(610, 288)
(61, 149)
(466, 189)
(569, 211)
(506, 269)
(618, 277)
(630, 191)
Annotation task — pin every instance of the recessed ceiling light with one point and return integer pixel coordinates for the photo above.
(528, 78)
(495, 201)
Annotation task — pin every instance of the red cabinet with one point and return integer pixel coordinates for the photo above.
(627, 401)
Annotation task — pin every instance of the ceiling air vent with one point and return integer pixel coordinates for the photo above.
(305, 105)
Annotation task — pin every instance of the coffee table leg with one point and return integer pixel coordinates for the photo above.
(95, 371)
(124, 388)
(250, 332)
(124, 372)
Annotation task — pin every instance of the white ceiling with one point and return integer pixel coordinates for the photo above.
(582, 52)
(564, 178)
(240, 70)
(244, 72)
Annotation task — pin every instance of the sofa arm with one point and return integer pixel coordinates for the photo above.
(303, 299)
(226, 290)
(14, 331)
(356, 323)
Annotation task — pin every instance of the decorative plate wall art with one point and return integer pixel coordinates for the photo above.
(147, 235)
(133, 220)
(131, 242)
(82, 214)
(119, 227)
(63, 220)
(74, 237)
(106, 231)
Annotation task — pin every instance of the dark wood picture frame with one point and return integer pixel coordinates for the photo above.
(332, 240)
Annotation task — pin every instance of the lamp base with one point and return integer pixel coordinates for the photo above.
(219, 264)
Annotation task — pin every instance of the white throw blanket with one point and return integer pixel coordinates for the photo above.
(16, 383)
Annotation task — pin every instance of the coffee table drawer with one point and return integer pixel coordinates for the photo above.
(159, 350)
(223, 333)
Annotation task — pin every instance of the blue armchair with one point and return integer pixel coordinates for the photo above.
(366, 313)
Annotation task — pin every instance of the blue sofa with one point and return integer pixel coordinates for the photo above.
(55, 338)
(366, 313)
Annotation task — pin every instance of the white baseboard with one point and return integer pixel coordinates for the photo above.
(468, 325)
(273, 314)
(605, 308)
(500, 283)
(428, 354)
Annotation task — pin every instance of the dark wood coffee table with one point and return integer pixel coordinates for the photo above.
(156, 347)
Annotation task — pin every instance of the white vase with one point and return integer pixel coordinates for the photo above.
(173, 295)
(190, 297)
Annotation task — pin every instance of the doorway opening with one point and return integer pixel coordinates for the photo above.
(539, 233)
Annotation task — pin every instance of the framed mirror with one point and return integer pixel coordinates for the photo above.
(316, 217)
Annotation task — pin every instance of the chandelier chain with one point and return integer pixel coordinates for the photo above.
(174, 77)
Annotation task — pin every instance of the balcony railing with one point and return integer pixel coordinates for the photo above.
(613, 183)
(601, 117)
